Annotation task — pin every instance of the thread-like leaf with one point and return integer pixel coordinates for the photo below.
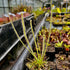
(33, 36)
(26, 36)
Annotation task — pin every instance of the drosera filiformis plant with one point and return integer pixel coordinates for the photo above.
(39, 61)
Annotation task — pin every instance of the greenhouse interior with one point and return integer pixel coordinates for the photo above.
(34, 34)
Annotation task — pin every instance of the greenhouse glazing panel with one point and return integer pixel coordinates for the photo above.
(4, 6)
(1, 4)
(1, 11)
(6, 10)
(5, 3)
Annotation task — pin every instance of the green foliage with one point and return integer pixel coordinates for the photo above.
(59, 44)
(68, 33)
(21, 8)
(63, 10)
(66, 28)
(39, 32)
(66, 46)
(36, 64)
(54, 10)
(38, 12)
(39, 57)
(57, 16)
(54, 30)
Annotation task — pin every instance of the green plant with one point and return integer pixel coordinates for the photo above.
(59, 44)
(21, 8)
(37, 13)
(66, 28)
(66, 46)
(54, 30)
(54, 10)
(39, 58)
(68, 33)
(63, 10)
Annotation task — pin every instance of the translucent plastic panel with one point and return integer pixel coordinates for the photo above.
(22, 1)
(43, 0)
(5, 3)
(18, 2)
(1, 12)
(6, 10)
(1, 4)
(37, 4)
(34, 3)
(13, 3)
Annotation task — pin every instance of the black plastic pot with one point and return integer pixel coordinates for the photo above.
(59, 49)
(50, 55)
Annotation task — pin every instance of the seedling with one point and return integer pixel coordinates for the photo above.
(67, 47)
(59, 44)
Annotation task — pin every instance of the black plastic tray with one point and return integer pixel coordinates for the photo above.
(8, 36)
